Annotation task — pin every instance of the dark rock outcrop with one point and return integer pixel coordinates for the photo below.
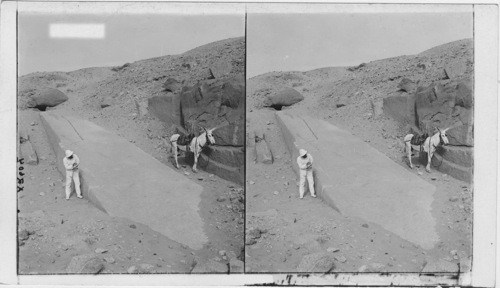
(171, 85)
(407, 85)
(167, 108)
(218, 104)
(442, 104)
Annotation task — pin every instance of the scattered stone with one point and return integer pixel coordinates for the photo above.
(377, 107)
(365, 225)
(220, 69)
(251, 182)
(222, 253)
(377, 267)
(340, 258)
(317, 262)
(33, 123)
(85, 264)
(362, 268)
(147, 268)
(132, 226)
(250, 241)
(276, 192)
(433, 178)
(110, 260)
(332, 249)
(186, 173)
(221, 199)
(23, 235)
(210, 266)
(454, 199)
(201, 178)
(132, 270)
(420, 173)
(42, 193)
(100, 250)
(236, 266)
(29, 153)
(407, 85)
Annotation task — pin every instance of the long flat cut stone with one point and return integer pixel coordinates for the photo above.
(125, 181)
(358, 180)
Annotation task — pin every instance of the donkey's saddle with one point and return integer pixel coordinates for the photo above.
(419, 139)
(185, 139)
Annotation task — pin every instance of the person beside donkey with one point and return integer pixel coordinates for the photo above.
(71, 163)
(305, 161)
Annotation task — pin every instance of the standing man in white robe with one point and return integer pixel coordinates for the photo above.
(305, 161)
(71, 163)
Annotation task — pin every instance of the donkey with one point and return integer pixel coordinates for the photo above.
(195, 145)
(429, 145)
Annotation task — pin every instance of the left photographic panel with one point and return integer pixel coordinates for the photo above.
(130, 120)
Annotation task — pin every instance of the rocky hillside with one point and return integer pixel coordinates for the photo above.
(372, 101)
(146, 91)
(384, 100)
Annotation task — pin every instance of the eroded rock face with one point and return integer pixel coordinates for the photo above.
(44, 97)
(167, 108)
(444, 106)
(218, 104)
(213, 103)
(285, 97)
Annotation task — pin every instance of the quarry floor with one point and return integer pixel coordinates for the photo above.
(64, 229)
(294, 228)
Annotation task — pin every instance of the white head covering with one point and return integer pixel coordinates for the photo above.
(302, 152)
(69, 153)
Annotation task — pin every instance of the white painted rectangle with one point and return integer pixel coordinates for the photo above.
(74, 30)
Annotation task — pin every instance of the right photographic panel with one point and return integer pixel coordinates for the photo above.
(359, 139)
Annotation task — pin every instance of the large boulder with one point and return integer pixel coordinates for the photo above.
(44, 97)
(171, 85)
(407, 85)
(285, 97)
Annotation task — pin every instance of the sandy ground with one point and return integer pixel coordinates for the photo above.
(292, 228)
(60, 229)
